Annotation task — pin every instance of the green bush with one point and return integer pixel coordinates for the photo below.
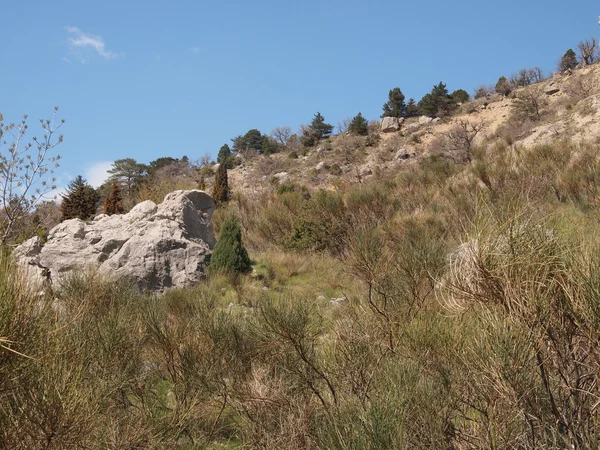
(229, 254)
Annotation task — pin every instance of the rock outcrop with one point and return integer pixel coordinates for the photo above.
(391, 124)
(157, 246)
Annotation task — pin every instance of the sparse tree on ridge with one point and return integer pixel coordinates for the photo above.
(317, 130)
(503, 86)
(224, 153)
(438, 102)
(412, 110)
(359, 125)
(281, 135)
(79, 201)
(568, 61)
(588, 50)
(249, 143)
(395, 106)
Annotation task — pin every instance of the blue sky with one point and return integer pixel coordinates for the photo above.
(150, 79)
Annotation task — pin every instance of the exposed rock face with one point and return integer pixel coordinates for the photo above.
(157, 246)
(552, 89)
(391, 124)
(402, 154)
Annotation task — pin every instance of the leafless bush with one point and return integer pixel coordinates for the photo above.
(461, 136)
(281, 135)
(581, 87)
(343, 125)
(529, 104)
(588, 50)
(526, 77)
(484, 90)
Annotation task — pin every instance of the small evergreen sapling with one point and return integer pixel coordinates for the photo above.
(229, 254)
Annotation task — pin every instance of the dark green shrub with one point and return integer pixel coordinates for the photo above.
(359, 125)
(460, 96)
(229, 254)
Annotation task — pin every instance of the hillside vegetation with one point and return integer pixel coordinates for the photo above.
(446, 300)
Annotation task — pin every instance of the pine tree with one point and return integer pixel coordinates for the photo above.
(319, 127)
(128, 173)
(359, 126)
(316, 131)
(568, 61)
(221, 187)
(224, 153)
(412, 110)
(460, 96)
(114, 202)
(229, 254)
(438, 102)
(395, 106)
(503, 86)
(79, 201)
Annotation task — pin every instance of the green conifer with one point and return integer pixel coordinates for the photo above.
(395, 106)
(359, 126)
(79, 201)
(229, 254)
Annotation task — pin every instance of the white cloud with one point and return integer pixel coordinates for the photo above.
(195, 50)
(83, 45)
(97, 173)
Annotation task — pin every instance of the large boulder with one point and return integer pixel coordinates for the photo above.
(391, 124)
(157, 246)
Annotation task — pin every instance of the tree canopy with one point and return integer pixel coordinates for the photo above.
(438, 102)
(395, 106)
(79, 201)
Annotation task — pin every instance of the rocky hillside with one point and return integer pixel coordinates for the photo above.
(564, 106)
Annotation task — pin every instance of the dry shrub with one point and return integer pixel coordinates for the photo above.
(523, 284)
(580, 87)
